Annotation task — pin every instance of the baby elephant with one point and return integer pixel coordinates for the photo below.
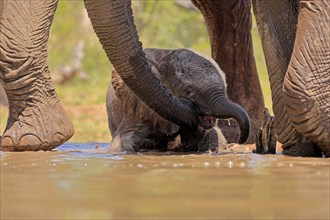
(192, 78)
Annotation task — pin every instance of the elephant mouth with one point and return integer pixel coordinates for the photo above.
(207, 121)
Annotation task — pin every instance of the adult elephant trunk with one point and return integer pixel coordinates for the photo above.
(306, 89)
(114, 25)
(221, 107)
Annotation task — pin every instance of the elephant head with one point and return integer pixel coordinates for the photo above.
(200, 81)
(114, 26)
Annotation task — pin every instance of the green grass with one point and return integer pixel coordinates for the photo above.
(69, 27)
(160, 24)
(261, 67)
(158, 27)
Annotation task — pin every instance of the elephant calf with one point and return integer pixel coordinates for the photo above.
(192, 78)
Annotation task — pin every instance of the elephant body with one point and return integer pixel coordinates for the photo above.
(295, 38)
(186, 74)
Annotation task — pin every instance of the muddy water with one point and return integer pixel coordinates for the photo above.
(80, 182)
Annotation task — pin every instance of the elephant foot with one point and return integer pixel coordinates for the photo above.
(265, 139)
(213, 141)
(41, 127)
(130, 136)
(327, 154)
(303, 150)
(122, 144)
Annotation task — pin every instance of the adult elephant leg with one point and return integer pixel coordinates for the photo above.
(277, 22)
(114, 26)
(36, 119)
(306, 89)
(229, 25)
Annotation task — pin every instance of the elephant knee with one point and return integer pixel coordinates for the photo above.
(15, 57)
(15, 68)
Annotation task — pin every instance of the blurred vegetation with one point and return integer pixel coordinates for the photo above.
(160, 24)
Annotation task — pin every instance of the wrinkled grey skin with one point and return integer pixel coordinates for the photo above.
(37, 120)
(296, 41)
(191, 77)
(295, 38)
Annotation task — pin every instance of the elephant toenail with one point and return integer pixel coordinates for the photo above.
(7, 144)
(29, 142)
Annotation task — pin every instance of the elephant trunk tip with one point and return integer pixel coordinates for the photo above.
(245, 133)
(229, 109)
(243, 120)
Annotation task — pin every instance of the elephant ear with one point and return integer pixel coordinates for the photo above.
(166, 67)
(155, 58)
(132, 105)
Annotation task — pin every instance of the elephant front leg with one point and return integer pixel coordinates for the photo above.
(213, 140)
(36, 121)
(130, 135)
(306, 87)
(201, 140)
(278, 39)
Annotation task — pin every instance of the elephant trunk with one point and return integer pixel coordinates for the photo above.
(114, 25)
(221, 107)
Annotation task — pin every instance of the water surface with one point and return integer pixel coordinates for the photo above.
(82, 181)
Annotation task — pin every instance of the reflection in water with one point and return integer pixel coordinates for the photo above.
(82, 181)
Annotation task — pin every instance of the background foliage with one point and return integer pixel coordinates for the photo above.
(161, 24)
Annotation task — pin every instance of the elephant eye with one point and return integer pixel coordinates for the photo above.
(187, 92)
